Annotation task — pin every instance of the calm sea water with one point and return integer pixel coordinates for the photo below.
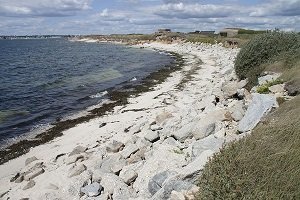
(44, 79)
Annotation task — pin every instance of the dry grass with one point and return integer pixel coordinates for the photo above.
(264, 165)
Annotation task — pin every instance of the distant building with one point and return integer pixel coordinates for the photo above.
(229, 32)
(165, 30)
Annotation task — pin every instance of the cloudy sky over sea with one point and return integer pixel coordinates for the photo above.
(21, 17)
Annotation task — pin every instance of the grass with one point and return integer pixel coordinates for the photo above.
(264, 165)
(264, 89)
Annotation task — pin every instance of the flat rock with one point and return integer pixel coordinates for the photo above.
(73, 159)
(78, 150)
(267, 78)
(118, 166)
(155, 127)
(261, 104)
(277, 88)
(128, 150)
(110, 182)
(237, 110)
(128, 176)
(172, 185)
(114, 146)
(92, 190)
(75, 171)
(209, 143)
(184, 132)
(152, 136)
(108, 162)
(30, 160)
(31, 174)
(29, 185)
(204, 129)
(156, 182)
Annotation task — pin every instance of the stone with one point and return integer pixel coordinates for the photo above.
(209, 143)
(277, 88)
(267, 78)
(292, 87)
(152, 136)
(29, 185)
(162, 117)
(128, 150)
(155, 127)
(172, 185)
(78, 150)
(111, 182)
(192, 171)
(176, 196)
(128, 176)
(203, 130)
(242, 83)
(230, 89)
(15, 177)
(237, 110)
(76, 170)
(92, 190)
(156, 182)
(261, 105)
(73, 159)
(114, 146)
(107, 163)
(31, 174)
(118, 166)
(30, 160)
(184, 132)
(138, 156)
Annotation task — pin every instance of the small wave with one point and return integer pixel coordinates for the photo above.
(133, 79)
(99, 95)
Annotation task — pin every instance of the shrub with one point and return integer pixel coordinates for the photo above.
(262, 49)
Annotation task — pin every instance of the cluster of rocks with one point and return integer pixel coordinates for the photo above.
(161, 153)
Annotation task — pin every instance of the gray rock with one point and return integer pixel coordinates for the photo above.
(192, 171)
(261, 104)
(128, 150)
(156, 182)
(128, 176)
(75, 171)
(292, 88)
(118, 166)
(29, 185)
(172, 185)
(267, 78)
(208, 143)
(107, 163)
(152, 136)
(15, 177)
(92, 190)
(32, 173)
(78, 150)
(237, 110)
(73, 159)
(112, 182)
(30, 160)
(204, 130)
(114, 146)
(230, 89)
(184, 132)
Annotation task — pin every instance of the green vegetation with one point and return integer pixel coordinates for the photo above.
(202, 39)
(264, 50)
(264, 89)
(265, 164)
(247, 31)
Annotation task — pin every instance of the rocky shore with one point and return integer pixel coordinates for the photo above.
(152, 148)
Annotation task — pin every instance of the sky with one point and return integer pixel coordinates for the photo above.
(28, 17)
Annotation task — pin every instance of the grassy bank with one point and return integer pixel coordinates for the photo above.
(266, 164)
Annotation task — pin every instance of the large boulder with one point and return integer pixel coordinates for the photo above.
(209, 143)
(128, 150)
(230, 89)
(261, 104)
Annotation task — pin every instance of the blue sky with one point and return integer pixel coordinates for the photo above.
(21, 17)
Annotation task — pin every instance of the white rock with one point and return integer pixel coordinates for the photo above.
(114, 146)
(29, 160)
(242, 83)
(73, 159)
(261, 104)
(92, 190)
(277, 88)
(33, 173)
(230, 89)
(78, 150)
(152, 136)
(128, 176)
(209, 143)
(118, 166)
(203, 130)
(110, 182)
(128, 150)
(76, 170)
(267, 78)
(29, 185)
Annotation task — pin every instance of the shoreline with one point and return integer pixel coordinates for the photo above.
(115, 98)
(151, 129)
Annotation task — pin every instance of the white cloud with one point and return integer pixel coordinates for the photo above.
(33, 8)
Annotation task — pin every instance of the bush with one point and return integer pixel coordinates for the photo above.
(262, 49)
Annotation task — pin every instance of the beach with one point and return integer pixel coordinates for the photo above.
(154, 147)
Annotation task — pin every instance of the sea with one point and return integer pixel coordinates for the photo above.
(43, 80)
